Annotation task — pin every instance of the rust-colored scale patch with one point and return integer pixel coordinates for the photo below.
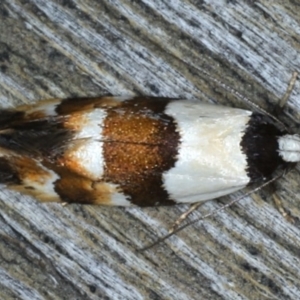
(75, 121)
(73, 188)
(72, 105)
(141, 144)
(28, 168)
(32, 177)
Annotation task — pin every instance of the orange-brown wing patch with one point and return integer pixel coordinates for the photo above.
(141, 143)
(74, 188)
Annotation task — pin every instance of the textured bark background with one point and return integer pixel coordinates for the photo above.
(61, 48)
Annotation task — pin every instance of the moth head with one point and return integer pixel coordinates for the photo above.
(289, 147)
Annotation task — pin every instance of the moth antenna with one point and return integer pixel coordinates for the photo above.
(254, 105)
(163, 238)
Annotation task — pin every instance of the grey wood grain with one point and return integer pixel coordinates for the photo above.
(60, 48)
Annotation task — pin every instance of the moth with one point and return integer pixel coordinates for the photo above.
(138, 151)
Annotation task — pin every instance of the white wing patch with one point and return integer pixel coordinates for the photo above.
(85, 154)
(210, 162)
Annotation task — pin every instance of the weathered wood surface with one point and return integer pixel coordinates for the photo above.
(61, 48)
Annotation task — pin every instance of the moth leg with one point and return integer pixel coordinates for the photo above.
(287, 94)
(279, 205)
(183, 216)
(281, 209)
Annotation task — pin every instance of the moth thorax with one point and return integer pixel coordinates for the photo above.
(289, 147)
